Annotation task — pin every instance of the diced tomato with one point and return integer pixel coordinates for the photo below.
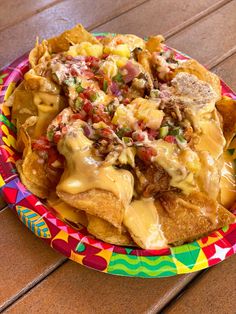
(87, 107)
(41, 144)
(91, 60)
(100, 115)
(146, 153)
(56, 137)
(152, 134)
(88, 74)
(74, 72)
(170, 139)
(126, 101)
(105, 55)
(52, 155)
(137, 136)
(106, 132)
(76, 116)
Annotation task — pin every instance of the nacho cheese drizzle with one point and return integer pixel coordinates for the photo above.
(84, 172)
(142, 220)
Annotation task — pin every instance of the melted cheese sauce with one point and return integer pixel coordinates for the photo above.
(83, 172)
(227, 182)
(209, 176)
(142, 220)
(168, 157)
(48, 107)
(211, 138)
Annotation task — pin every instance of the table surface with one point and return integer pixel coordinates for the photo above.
(34, 278)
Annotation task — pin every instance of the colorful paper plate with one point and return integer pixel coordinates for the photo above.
(78, 245)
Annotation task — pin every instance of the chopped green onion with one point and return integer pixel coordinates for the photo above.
(127, 140)
(163, 131)
(118, 77)
(50, 135)
(121, 132)
(79, 89)
(78, 103)
(180, 138)
(105, 85)
(93, 96)
(175, 131)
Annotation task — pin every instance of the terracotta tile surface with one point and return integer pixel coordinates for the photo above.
(227, 71)
(23, 10)
(20, 38)
(89, 291)
(214, 292)
(155, 17)
(211, 37)
(24, 258)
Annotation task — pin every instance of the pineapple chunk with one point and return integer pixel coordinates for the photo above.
(127, 156)
(120, 61)
(124, 117)
(86, 49)
(120, 50)
(109, 68)
(146, 110)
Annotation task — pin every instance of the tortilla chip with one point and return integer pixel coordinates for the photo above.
(76, 35)
(35, 82)
(193, 67)
(67, 212)
(227, 108)
(40, 191)
(23, 107)
(39, 53)
(154, 43)
(34, 173)
(104, 231)
(98, 203)
(186, 218)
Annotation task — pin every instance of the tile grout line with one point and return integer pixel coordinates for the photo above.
(32, 284)
(182, 291)
(31, 14)
(196, 18)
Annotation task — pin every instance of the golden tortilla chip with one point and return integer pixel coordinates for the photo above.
(186, 218)
(76, 35)
(154, 43)
(35, 82)
(98, 203)
(40, 191)
(23, 107)
(34, 173)
(66, 211)
(104, 231)
(193, 67)
(227, 108)
(39, 53)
